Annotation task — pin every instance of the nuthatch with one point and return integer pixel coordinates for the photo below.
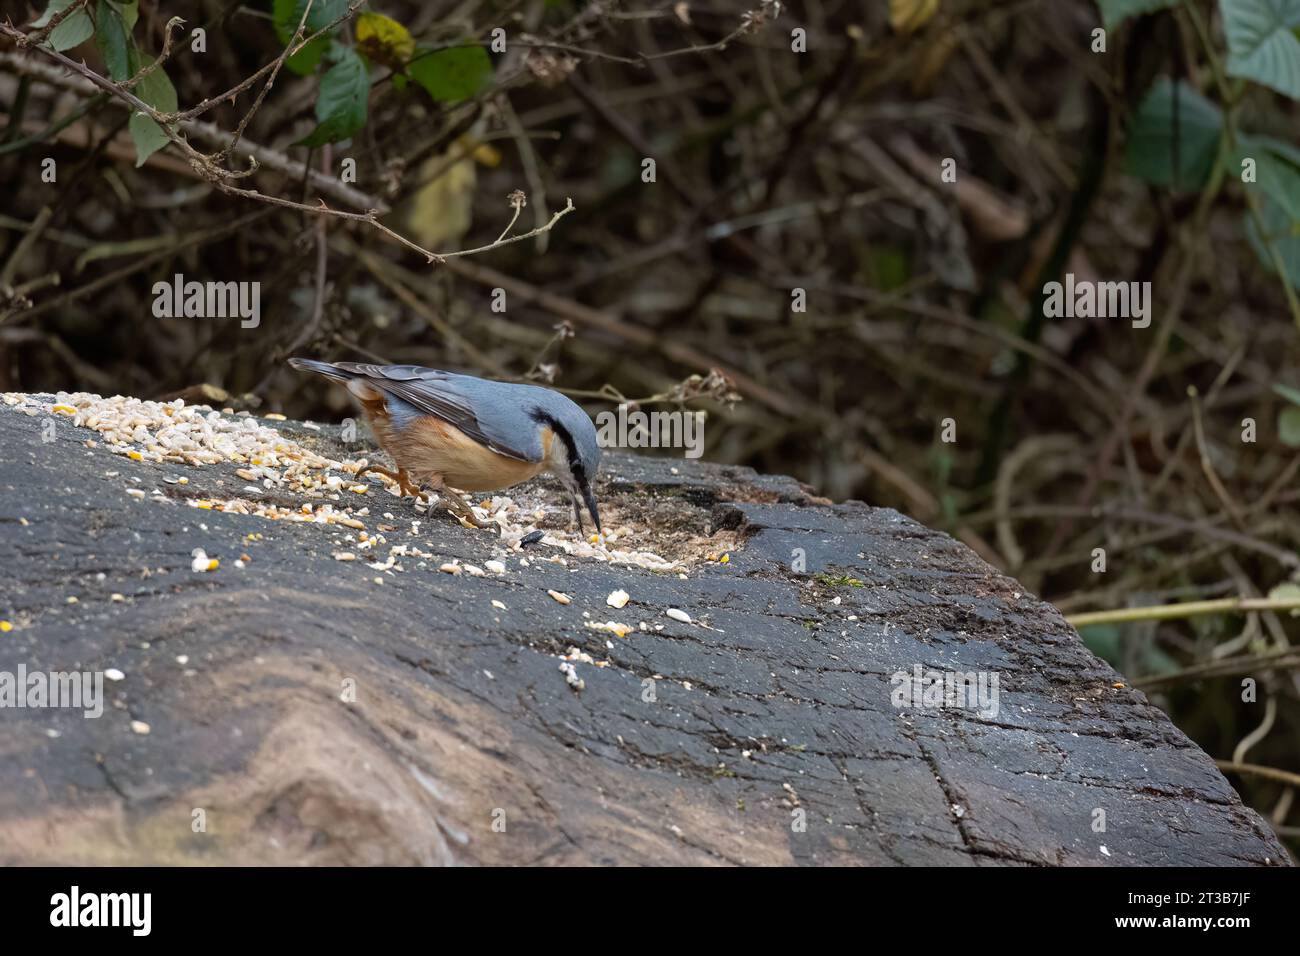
(444, 429)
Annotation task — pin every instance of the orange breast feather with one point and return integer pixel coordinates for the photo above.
(431, 447)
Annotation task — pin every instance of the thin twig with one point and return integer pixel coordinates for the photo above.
(1256, 770)
(221, 178)
(230, 94)
(1172, 612)
(270, 82)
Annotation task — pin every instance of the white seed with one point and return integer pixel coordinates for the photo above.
(618, 599)
(571, 676)
(560, 597)
(679, 615)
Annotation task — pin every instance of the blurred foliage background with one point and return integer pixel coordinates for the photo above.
(798, 236)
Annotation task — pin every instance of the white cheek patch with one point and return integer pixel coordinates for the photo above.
(558, 460)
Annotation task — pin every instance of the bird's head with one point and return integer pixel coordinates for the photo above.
(575, 453)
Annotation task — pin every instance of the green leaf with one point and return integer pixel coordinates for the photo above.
(1284, 233)
(1262, 43)
(1151, 136)
(1277, 177)
(1288, 426)
(111, 37)
(73, 31)
(1115, 12)
(287, 14)
(147, 135)
(1292, 395)
(1277, 170)
(54, 7)
(129, 11)
(450, 76)
(155, 89)
(341, 102)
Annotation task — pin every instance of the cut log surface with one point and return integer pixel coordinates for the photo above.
(303, 709)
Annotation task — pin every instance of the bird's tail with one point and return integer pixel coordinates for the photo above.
(323, 368)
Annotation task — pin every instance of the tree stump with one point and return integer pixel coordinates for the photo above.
(303, 709)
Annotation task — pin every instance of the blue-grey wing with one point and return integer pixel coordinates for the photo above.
(478, 408)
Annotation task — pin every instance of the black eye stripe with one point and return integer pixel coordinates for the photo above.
(575, 464)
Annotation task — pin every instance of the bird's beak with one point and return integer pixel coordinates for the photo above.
(590, 499)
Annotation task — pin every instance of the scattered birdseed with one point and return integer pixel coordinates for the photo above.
(450, 567)
(560, 597)
(202, 562)
(140, 727)
(571, 676)
(618, 599)
(498, 605)
(173, 433)
(615, 628)
(678, 615)
(114, 674)
(496, 567)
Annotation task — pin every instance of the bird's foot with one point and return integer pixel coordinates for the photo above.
(404, 484)
(461, 508)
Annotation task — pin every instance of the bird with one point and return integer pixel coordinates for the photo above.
(449, 431)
